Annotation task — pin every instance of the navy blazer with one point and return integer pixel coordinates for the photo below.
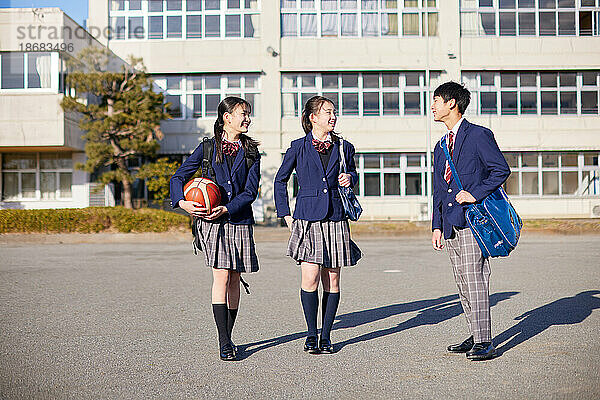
(317, 186)
(239, 187)
(481, 168)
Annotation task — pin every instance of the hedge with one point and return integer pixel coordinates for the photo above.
(92, 219)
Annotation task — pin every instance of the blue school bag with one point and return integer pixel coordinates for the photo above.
(493, 221)
(349, 201)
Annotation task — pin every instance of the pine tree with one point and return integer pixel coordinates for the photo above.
(121, 116)
(157, 176)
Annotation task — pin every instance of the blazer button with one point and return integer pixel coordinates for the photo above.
(324, 179)
(229, 182)
(324, 190)
(228, 193)
(449, 204)
(449, 190)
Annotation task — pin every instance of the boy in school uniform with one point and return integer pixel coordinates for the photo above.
(482, 169)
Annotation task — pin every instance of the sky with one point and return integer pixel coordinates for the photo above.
(76, 9)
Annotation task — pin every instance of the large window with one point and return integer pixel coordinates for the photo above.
(358, 94)
(553, 174)
(530, 17)
(537, 93)
(391, 174)
(387, 175)
(19, 70)
(36, 176)
(198, 96)
(184, 19)
(352, 18)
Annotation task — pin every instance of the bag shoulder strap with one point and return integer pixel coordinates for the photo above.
(207, 155)
(251, 155)
(450, 163)
(342, 156)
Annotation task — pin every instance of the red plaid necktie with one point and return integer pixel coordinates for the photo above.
(230, 149)
(321, 147)
(448, 173)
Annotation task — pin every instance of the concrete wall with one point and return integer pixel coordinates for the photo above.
(33, 120)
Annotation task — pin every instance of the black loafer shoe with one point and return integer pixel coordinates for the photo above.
(462, 347)
(481, 351)
(227, 353)
(311, 345)
(325, 346)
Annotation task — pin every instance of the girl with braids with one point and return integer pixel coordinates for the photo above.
(226, 234)
(320, 235)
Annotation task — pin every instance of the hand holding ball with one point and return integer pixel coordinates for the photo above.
(203, 191)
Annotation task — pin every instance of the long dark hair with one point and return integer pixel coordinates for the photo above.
(313, 106)
(229, 104)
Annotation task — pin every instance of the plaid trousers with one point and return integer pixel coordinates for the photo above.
(472, 276)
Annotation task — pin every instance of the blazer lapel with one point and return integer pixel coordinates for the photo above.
(237, 161)
(313, 153)
(461, 135)
(335, 157)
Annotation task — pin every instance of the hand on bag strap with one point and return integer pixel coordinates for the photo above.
(342, 157)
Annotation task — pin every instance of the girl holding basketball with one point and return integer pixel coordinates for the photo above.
(225, 233)
(320, 235)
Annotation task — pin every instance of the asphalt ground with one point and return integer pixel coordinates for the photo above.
(133, 321)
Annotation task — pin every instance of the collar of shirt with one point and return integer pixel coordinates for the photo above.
(237, 141)
(326, 139)
(455, 128)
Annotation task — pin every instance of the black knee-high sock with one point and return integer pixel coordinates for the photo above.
(220, 314)
(231, 315)
(310, 305)
(329, 311)
(324, 308)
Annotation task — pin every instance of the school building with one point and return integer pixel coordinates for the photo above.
(532, 67)
(40, 144)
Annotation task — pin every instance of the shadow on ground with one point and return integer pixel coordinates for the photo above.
(565, 311)
(432, 311)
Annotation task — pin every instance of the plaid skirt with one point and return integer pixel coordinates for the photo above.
(326, 243)
(227, 246)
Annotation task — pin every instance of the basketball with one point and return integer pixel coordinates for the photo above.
(203, 191)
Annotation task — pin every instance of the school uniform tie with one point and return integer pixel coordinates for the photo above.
(321, 147)
(448, 173)
(230, 149)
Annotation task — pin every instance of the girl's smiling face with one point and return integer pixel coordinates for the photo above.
(325, 119)
(238, 120)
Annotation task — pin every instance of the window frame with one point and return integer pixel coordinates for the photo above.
(476, 11)
(473, 81)
(183, 14)
(54, 74)
(300, 92)
(423, 8)
(186, 93)
(539, 169)
(38, 170)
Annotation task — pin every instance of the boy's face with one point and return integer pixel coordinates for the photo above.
(442, 109)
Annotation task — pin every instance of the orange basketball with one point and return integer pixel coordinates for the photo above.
(203, 191)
